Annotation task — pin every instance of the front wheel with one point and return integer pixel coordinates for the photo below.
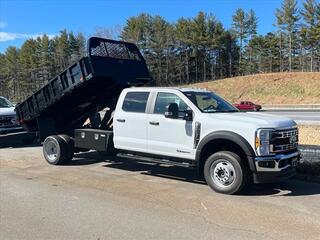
(225, 173)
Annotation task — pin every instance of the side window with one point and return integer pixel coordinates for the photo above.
(135, 102)
(164, 99)
(206, 103)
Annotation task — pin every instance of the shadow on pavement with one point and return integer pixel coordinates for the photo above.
(146, 168)
(86, 158)
(288, 188)
(18, 140)
(19, 145)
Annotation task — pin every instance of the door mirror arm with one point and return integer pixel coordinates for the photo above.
(188, 115)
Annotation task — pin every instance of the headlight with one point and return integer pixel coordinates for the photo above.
(263, 137)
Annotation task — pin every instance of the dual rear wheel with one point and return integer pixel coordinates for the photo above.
(58, 149)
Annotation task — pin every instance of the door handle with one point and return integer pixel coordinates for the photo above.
(121, 120)
(154, 123)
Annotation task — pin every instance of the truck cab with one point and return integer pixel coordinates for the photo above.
(199, 128)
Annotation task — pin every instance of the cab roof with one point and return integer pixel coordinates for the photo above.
(171, 88)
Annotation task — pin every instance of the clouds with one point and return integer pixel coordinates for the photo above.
(3, 24)
(9, 36)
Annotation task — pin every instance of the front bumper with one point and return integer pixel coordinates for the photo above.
(276, 168)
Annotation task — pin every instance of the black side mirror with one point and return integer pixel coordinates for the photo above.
(188, 115)
(172, 111)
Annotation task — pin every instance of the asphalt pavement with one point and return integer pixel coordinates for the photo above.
(307, 117)
(113, 198)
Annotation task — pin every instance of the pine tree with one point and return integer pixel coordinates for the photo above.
(12, 70)
(239, 27)
(309, 31)
(287, 20)
(244, 25)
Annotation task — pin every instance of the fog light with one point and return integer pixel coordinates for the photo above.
(267, 164)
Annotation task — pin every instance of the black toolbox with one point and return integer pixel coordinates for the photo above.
(100, 140)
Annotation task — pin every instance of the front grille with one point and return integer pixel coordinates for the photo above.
(7, 121)
(284, 140)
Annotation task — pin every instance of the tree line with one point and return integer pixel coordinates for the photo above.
(186, 51)
(24, 70)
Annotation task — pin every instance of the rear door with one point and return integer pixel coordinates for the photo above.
(130, 122)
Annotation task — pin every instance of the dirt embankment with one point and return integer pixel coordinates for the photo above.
(270, 88)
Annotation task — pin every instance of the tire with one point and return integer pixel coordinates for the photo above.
(255, 109)
(55, 150)
(225, 173)
(70, 146)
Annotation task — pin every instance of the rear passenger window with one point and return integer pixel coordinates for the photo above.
(135, 102)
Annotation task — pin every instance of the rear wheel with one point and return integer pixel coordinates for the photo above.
(225, 173)
(70, 146)
(55, 150)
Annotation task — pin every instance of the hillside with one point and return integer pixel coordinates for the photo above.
(270, 88)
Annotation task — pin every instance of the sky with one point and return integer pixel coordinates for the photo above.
(23, 19)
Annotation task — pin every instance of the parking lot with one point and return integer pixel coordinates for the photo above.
(113, 198)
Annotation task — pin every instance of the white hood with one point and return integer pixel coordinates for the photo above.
(259, 120)
(7, 111)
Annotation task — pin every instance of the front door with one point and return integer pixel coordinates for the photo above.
(170, 137)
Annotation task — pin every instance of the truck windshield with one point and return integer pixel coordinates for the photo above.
(209, 102)
(4, 103)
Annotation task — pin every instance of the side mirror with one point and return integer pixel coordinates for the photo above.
(188, 115)
(172, 111)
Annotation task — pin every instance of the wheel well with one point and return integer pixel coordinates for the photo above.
(217, 145)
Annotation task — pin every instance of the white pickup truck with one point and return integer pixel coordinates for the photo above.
(191, 128)
(8, 118)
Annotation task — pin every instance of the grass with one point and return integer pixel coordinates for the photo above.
(269, 88)
(309, 135)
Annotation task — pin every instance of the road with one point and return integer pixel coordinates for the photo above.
(309, 117)
(98, 198)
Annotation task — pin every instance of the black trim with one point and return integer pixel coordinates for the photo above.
(145, 158)
(231, 136)
(269, 177)
(157, 156)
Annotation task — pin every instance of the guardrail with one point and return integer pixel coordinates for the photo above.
(310, 153)
(291, 107)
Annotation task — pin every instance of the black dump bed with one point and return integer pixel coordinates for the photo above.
(91, 83)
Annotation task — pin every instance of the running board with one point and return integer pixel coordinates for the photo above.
(155, 160)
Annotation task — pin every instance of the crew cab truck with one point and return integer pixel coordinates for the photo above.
(183, 127)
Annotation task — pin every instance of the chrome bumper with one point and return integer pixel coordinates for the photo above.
(277, 163)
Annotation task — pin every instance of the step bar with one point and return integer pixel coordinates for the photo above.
(156, 160)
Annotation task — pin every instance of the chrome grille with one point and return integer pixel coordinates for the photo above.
(286, 134)
(284, 140)
(7, 121)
